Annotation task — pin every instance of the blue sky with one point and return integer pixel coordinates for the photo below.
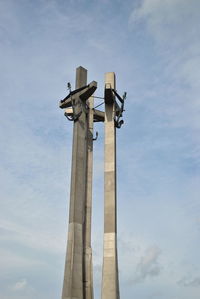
(153, 47)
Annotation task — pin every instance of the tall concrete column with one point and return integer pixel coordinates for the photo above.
(73, 275)
(88, 273)
(110, 282)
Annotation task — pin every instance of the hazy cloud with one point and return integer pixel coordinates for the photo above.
(148, 265)
(20, 285)
(171, 25)
(189, 282)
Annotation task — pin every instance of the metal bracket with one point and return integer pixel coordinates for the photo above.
(74, 116)
(119, 114)
(77, 97)
(94, 139)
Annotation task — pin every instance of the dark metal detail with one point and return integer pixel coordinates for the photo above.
(74, 116)
(98, 97)
(77, 100)
(97, 134)
(119, 113)
(69, 87)
(99, 105)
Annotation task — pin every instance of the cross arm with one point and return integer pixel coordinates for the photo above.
(84, 93)
(99, 115)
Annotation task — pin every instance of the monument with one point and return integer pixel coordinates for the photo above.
(79, 108)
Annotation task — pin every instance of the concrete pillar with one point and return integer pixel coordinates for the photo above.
(88, 273)
(110, 283)
(74, 271)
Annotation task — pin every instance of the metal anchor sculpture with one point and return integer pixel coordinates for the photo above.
(110, 94)
(75, 101)
(79, 108)
(119, 110)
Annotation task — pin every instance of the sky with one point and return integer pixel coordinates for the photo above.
(153, 46)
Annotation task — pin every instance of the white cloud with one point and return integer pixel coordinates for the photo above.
(174, 26)
(174, 29)
(20, 285)
(12, 261)
(49, 240)
(189, 282)
(148, 265)
(166, 15)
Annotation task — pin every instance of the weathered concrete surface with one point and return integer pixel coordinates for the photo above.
(78, 256)
(88, 274)
(110, 281)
